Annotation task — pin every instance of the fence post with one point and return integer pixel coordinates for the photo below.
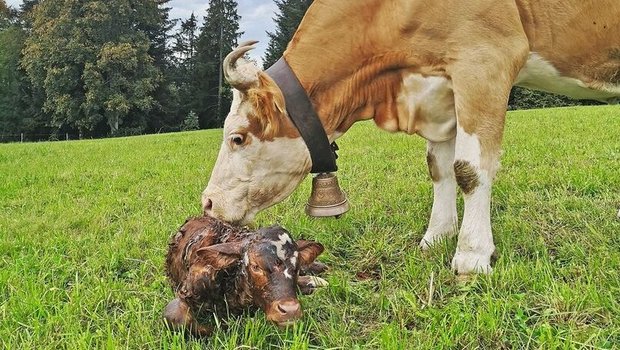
(22, 137)
(67, 136)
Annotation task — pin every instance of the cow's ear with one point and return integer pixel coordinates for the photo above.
(268, 103)
(221, 255)
(308, 251)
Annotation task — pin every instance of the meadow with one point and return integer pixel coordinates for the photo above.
(84, 227)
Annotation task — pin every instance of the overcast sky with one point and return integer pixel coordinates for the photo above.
(256, 18)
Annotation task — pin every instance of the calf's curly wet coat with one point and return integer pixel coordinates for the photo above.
(219, 269)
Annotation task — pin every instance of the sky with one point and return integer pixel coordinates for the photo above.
(256, 18)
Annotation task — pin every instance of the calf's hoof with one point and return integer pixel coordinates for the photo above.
(178, 317)
(471, 262)
(308, 284)
(316, 268)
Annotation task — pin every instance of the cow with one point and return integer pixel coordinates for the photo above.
(215, 268)
(436, 68)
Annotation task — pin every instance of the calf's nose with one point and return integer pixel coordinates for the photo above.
(290, 308)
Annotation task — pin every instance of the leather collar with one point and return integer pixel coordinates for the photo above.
(304, 117)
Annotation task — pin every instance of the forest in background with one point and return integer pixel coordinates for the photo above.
(105, 68)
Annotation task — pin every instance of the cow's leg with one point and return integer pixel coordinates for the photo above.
(481, 96)
(444, 220)
(474, 176)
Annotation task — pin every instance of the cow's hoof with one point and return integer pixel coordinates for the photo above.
(465, 263)
(432, 238)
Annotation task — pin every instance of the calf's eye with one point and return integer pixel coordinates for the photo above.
(255, 268)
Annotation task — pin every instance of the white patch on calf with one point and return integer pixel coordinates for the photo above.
(284, 238)
(287, 274)
(294, 259)
(246, 259)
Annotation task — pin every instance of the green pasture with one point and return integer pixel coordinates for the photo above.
(84, 227)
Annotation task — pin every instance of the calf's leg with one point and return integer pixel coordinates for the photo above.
(178, 316)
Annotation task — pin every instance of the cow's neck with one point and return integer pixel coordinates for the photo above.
(359, 78)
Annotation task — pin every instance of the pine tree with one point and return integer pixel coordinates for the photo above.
(184, 52)
(157, 25)
(287, 20)
(190, 122)
(185, 42)
(5, 15)
(218, 36)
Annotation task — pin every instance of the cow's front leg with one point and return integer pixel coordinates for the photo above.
(444, 220)
(474, 176)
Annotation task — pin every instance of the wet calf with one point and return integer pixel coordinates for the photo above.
(215, 268)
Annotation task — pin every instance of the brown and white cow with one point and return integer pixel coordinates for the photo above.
(437, 68)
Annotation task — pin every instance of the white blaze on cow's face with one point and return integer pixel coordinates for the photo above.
(262, 158)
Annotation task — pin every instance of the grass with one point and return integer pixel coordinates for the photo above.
(84, 227)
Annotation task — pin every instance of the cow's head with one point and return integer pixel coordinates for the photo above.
(262, 158)
(271, 262)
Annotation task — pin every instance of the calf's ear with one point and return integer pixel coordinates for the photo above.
(308, 251)
(221, 255)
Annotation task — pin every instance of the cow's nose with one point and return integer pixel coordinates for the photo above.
(290, 308)
(207, 205)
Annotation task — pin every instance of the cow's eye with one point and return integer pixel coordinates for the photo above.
(255, 268)
(237, 139)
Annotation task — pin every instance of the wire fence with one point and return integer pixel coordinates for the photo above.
(29, 137)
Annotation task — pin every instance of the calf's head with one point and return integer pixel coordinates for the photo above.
(262, 158)
(270, 263)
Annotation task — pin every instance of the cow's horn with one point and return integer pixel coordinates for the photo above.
(241, 78)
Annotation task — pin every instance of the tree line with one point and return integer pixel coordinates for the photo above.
(99, 68)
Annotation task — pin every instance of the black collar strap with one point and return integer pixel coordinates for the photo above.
(305, 119)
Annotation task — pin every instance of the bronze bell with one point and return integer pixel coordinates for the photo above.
(326, 199)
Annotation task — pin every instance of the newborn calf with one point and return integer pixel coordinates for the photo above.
(215, 268)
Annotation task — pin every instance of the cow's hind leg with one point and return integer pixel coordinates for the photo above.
(444, 220)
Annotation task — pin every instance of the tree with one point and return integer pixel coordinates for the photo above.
(183, 58)
(522, 98)
(185, 42)
(287, 20)
(157, 26)
(11, 42)
(218, 36)
(5, 15)
(18, 105)
(190, 122)
(91, 59)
